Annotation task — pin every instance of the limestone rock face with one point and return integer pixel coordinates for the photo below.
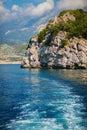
(55, 47)
(31, 59)
(73, 56)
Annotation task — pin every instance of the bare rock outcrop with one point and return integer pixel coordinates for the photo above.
(61, 44)
(73, 55)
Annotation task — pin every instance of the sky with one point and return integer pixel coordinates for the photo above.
(22, 19)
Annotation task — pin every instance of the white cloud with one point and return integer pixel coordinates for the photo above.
(40, 27)
(16, 30)
(17, 12)
(1, 2)
(4, 14)
(31, 10)
(72, 4)
(43, 7)
(15, 8)
(9, 31)
(24, 29)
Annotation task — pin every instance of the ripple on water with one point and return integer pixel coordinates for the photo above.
(41, 100)
(57, 114)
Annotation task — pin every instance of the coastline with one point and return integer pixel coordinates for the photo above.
(10, 62)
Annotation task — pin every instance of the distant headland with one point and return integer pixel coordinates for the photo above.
(11, 54)
(61, 44)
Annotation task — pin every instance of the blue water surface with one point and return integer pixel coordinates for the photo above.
(42, 99)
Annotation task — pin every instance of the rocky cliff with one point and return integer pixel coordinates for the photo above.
(55, 47)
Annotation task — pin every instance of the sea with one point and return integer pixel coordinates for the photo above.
(42, 99)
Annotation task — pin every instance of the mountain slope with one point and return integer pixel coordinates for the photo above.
(10, 54)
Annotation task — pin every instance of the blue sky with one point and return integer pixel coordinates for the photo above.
(21, 19)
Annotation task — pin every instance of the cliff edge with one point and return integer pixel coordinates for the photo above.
(61, 44)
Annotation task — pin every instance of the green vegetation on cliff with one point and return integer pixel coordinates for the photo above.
(74, 28)
(77, 28)
(42, 34)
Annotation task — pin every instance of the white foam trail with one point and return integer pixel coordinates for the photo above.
(66, 104)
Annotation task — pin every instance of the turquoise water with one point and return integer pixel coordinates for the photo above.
(41, 99)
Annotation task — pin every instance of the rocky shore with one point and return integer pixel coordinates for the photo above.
(73, 56)
(56, 51)
(9, 62)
